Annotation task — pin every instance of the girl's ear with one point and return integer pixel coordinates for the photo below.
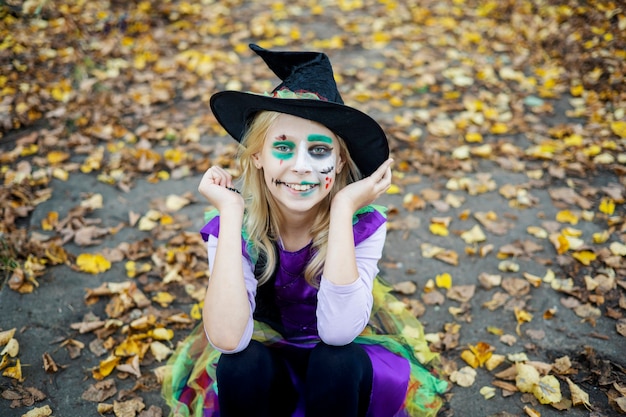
(340, 164)
(256, 160)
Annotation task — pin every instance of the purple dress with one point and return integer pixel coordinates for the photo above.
(286, 315)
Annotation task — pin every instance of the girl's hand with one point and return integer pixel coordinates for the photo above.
(216, 186)
(365, 191)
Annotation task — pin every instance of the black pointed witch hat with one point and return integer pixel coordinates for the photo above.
(307, 90)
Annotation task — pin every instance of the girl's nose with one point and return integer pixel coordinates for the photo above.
(302, 164)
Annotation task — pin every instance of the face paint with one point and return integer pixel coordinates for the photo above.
(282, 148)
(320, 138)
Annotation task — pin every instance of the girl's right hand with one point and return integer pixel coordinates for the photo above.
(214, 186)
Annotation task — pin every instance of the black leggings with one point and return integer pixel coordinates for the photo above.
(256, 382)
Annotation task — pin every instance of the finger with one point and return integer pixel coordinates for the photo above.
(381, 171)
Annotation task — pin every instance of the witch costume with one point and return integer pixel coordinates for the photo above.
(286, 309)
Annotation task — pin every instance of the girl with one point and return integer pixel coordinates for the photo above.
(295, 320)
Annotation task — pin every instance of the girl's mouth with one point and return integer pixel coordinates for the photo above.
(296, 186)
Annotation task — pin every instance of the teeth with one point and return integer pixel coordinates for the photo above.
(300, 187)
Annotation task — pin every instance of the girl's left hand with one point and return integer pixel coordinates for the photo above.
(365, 191)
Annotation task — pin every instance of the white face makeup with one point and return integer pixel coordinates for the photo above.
(300, 160)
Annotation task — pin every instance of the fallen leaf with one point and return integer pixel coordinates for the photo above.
(488, 392)
(39, 412)
(548, 390)
(578, 395)
(464, 377)
(527, 377)
(93, 264)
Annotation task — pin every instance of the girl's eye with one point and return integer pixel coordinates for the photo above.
(320, 150)
(282, 148)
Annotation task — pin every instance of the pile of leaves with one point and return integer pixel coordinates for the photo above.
(120, 91)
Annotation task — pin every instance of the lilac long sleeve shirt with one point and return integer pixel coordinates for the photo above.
(342, 310)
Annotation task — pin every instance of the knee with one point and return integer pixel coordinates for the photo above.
(338, 364)
(252, 363)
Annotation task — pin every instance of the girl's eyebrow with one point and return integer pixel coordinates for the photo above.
(319, 138)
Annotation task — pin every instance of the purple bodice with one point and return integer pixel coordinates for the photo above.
(295, 298)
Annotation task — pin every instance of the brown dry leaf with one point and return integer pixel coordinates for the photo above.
(131, 366)
(461, 293)
(620, 326)
(100, 391)
(497, 300)
(49, 365)
(516, 287)
(578, 395)
(128, 408)
(488, 281)
(405, 287)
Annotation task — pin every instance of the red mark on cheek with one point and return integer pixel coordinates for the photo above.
(328, 181)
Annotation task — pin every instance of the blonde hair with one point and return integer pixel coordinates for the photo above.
(263, 218)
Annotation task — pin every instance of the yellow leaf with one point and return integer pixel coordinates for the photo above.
(585, 257)
(56, 157)
(470, 358)
(566, 216)
(527, 377)
(495, 330)
(574, 140)
(50, 221)
(560, 242)
(39, 412)
(160, 351)
(482, 351)
(522, 317)
(393, 189)
(488, 392)
(93, 264)
(607, 206)
(196, 311)
(163, 298)
(438, 229)
(128, 347)
(601, 237)
(576, 90)
(12, 348)
(537, 232)
(494, 361)
(473, 137)
(106, 367)
(14, 372)
(161, 333)
(444, 280)
(619, 128)
(499, 128)
(474, 235)
(548, 390)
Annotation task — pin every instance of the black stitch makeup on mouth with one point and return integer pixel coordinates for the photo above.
(328, 170)
(278, 182)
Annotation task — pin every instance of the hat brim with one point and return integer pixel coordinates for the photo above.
(364, 137)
